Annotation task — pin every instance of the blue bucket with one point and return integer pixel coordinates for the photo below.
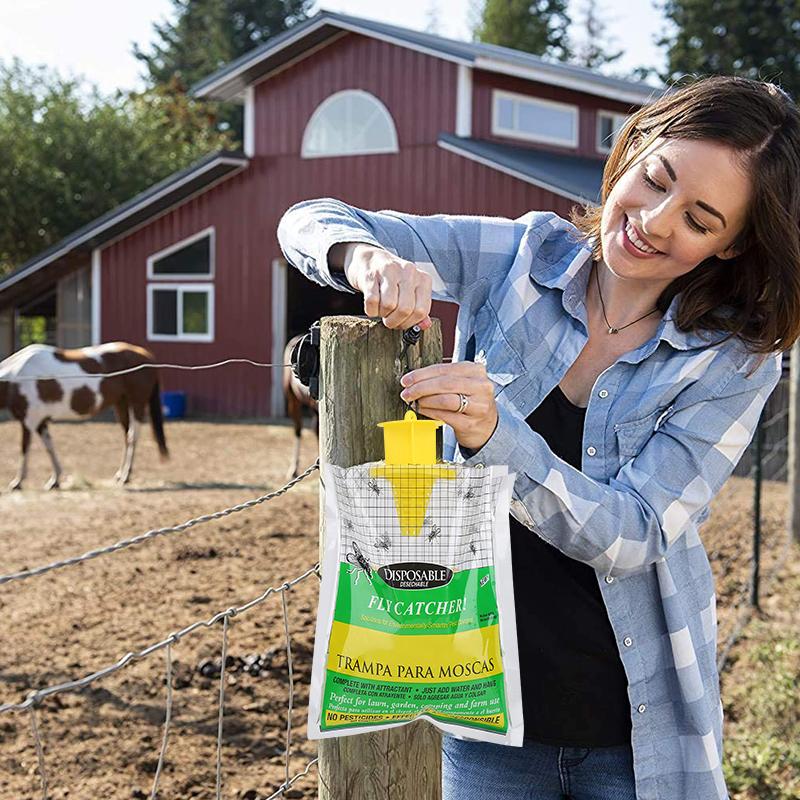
(173, 405)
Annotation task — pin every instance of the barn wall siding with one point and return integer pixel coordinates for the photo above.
(245, 209)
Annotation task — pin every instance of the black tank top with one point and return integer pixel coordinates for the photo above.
(574, 689)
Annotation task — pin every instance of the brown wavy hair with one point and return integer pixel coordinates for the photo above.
(756, 294)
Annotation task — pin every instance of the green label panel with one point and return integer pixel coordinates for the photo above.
(359, 701)
(467, 602)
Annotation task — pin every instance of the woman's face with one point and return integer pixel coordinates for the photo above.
(686, 199)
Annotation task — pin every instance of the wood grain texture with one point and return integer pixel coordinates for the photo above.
(359, 387)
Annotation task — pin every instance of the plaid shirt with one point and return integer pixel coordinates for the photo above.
(665, 426)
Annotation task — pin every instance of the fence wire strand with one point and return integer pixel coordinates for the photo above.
(186, 367)
(282, 789)
(30, 573)
(167, 720)
(221, 712)
(37, 741)
(286, 630)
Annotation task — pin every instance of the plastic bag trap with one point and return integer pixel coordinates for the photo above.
(416, 615)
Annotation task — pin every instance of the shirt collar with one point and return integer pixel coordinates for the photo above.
(566, 264)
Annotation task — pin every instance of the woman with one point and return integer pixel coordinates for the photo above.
(618, 364)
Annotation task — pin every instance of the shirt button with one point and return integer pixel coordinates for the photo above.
(627, 641)
(609, 579)
(590, 451)
(642, 708)
(603, 393)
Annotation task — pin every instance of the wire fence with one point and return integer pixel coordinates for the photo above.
(35, 697)
(744, 576)
(80, 375)
(756, 497)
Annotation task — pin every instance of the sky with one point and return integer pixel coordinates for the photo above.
(94, 38)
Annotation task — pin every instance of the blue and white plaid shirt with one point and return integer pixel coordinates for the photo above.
(665, 426)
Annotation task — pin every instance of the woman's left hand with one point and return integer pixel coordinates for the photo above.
(438, 390)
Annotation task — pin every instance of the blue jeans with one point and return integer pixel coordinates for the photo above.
(483, 771)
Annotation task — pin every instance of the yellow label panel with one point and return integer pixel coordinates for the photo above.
(377, 655)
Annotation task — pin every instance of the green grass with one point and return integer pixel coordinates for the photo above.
(762, 747)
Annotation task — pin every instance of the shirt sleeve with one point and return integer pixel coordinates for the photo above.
(626, 524)
(458, 252)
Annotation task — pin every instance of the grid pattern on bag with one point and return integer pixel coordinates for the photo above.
(441, 513)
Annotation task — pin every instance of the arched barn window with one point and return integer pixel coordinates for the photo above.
(352, 122)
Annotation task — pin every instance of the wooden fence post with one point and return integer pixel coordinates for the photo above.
(793, 476)
(360, 387)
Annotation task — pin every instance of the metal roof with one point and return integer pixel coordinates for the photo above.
(157, 198)
(230, 81)
(575, 177)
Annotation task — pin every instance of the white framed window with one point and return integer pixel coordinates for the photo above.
(180, 312)
(609, 124)
(190, 259)
(533, 119)
(348, 123)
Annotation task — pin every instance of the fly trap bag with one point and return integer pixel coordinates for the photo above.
(416, 612)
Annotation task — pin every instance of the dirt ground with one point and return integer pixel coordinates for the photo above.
(104, 741)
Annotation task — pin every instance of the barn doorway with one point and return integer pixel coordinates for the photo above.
(297, 302)
(36, 321)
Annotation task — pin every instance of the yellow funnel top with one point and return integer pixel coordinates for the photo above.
(410, 467)
(410, 440)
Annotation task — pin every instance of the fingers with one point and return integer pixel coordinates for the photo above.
(413, 303)
(400, 314)
(441, 390)
(372, 297)
(390, 291)
(471, 432)
(441, 402)
(455, 370)
(395, 290)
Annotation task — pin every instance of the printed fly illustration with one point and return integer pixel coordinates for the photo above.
(434, 532)
(360, 564)
(373, 486)
(383, 542)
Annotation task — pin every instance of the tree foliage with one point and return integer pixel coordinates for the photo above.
(534, 26)
(594, 50)
(758, 40)
(203, 35)
(70, 154)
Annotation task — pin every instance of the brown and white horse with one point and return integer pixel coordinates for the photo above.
(297, 397)
(40, 383)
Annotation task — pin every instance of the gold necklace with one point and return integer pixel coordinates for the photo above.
(611, 328)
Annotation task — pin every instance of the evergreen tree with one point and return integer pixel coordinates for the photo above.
(535, 26)
(758, 40)
(592, 52)
(70, 154)
(204, 35)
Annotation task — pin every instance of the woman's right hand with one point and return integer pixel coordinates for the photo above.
(395, 290)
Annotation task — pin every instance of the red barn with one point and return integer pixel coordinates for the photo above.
(381, 116)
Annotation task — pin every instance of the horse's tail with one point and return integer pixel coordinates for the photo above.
(157, 420)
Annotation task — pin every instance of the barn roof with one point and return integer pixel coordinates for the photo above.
(575, 177)
(144, 206)
(229, 82)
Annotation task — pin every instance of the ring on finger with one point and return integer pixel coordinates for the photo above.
(463, 401)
